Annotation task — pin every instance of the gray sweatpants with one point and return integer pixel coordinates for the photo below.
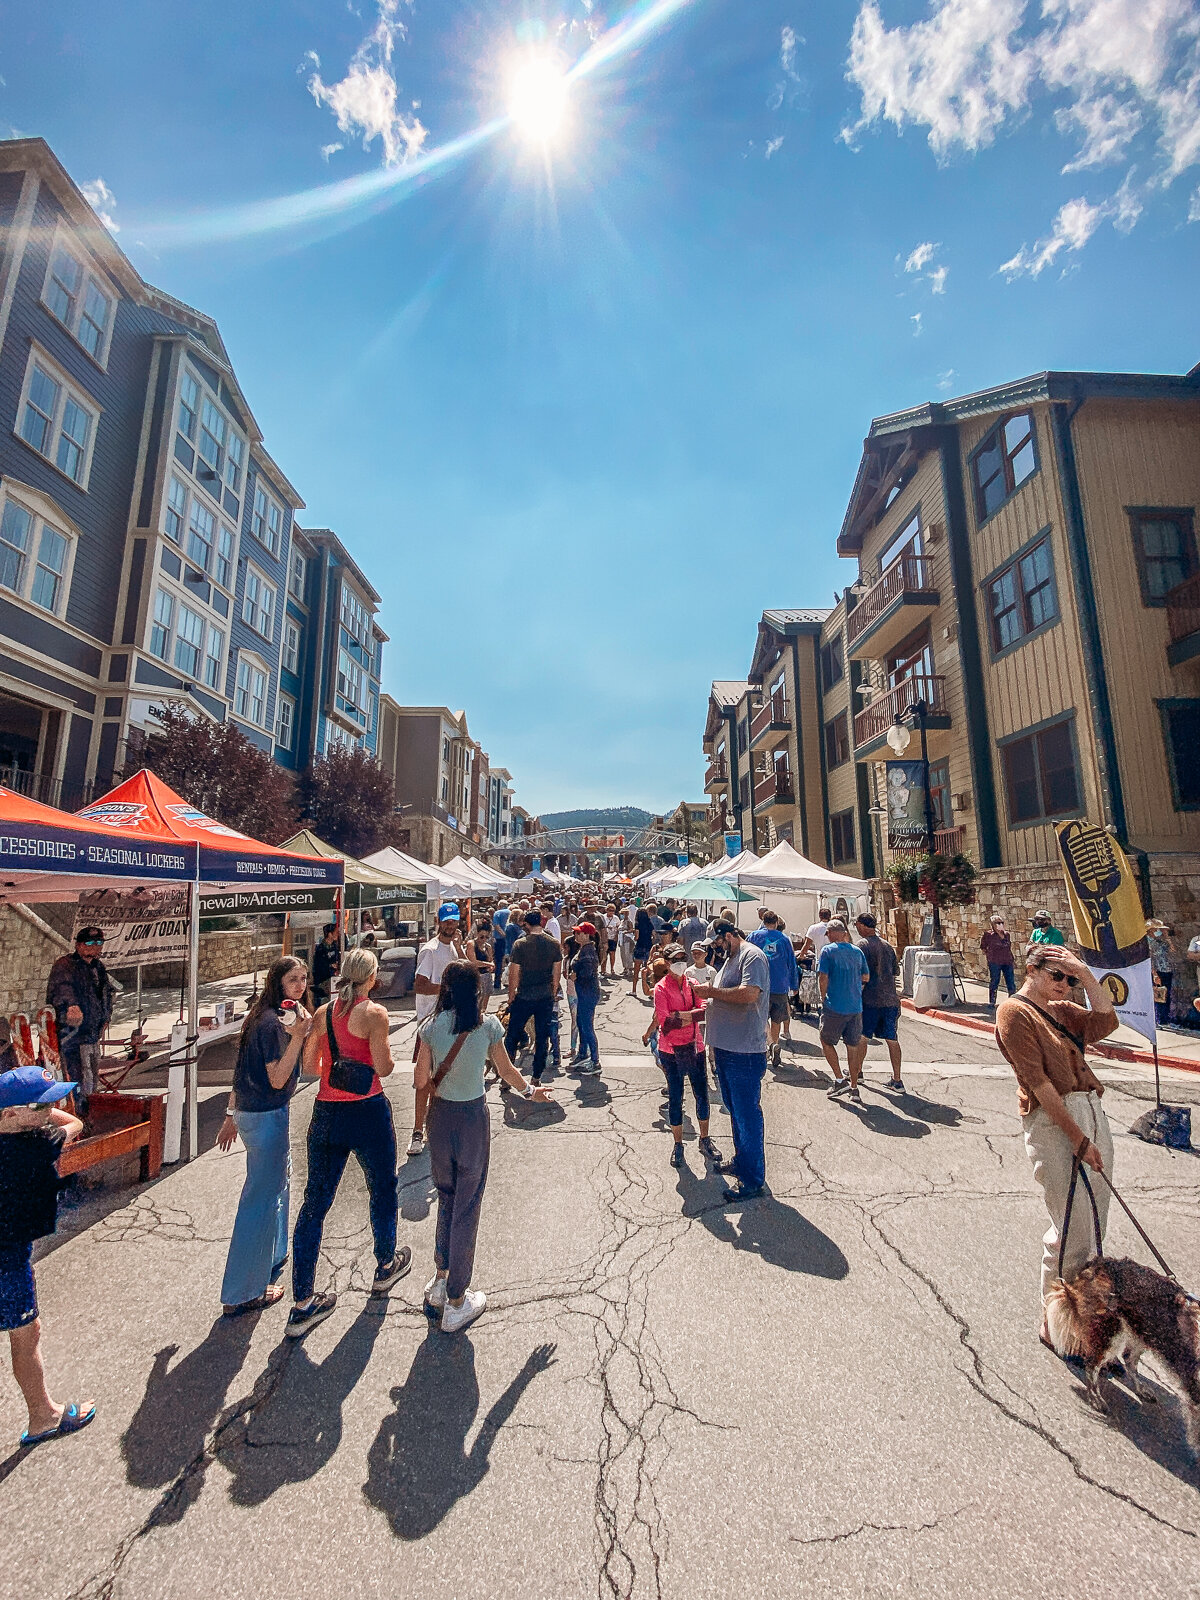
(459, 1133)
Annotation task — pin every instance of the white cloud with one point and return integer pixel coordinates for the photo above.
(102, 201)
(364, 101)
(789, 40)
(916, 321)
(1194, 207)
(787, 50)
(773, 145)
(937, 280)
(945, 380)
(920, 257)
(328, 150)
(1073, 227)
(1126, 74)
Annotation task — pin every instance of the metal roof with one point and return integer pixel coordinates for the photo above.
(781, 619)
(729, 693)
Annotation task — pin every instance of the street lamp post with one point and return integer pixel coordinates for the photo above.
(899, 738)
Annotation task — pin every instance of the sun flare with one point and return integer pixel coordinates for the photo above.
(537, 98)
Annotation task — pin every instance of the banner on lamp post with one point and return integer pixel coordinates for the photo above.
(733, 844)
(905, 785)
(1109, 923)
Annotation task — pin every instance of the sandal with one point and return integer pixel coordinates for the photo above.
(71, 1421)
(270, 1296)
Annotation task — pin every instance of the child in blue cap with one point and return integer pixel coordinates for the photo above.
(33, 1130)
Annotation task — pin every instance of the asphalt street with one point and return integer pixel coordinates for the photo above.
(835, 1390)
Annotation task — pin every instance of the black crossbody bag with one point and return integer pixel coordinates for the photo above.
(350, 1077)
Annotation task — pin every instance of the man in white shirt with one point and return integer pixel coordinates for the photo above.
(432, 961)
(551, 924)
(817, 936)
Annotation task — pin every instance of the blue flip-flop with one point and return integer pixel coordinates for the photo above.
(71, 1421)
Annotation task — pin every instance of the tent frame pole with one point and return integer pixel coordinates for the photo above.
(193, 1033)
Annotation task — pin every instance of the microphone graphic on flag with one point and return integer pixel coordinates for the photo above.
(1097, 872)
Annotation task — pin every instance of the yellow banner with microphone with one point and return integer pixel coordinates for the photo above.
(1110, 925)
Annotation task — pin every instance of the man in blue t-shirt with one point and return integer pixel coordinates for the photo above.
(841, 972)
(785, 977)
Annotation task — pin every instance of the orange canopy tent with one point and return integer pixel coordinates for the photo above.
(47, 854)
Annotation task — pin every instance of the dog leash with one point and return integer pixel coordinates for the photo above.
(1076, 1173)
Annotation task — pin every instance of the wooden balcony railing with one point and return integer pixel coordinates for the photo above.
(774, 786)
(773, 713)
(717, 771)
(874, 720)
(50, 791)
(910, 573)
(1183, 609)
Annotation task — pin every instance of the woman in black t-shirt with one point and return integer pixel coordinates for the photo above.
(264, 1081)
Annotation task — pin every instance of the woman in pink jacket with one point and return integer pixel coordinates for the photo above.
(677, 1011)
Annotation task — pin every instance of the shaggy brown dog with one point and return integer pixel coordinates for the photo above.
(1118, 1310)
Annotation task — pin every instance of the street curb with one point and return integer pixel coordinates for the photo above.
(1113, 1052)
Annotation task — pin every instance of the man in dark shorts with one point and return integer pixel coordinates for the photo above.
(841, 972)
(880, 1002)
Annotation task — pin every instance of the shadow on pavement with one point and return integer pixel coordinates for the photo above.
(179, 1408)
(1156, 1430)
(528, 1116)
(767, 1227)
(882, 1119)
(297, 1432)
(418, 1467)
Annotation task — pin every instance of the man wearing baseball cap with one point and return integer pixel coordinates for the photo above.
(434, 957)
(33, 1130)
(79, 990)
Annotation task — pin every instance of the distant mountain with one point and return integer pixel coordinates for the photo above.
(605, 819)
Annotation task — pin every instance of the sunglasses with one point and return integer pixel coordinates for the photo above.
(91, 944)
(1062, 977)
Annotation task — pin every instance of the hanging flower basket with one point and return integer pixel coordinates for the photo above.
(947, 880)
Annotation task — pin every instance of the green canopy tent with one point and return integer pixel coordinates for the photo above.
(366, 887)
(706, 890)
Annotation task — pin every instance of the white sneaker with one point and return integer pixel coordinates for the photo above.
(435, 1293)
(456, 1318)
(416, 1144)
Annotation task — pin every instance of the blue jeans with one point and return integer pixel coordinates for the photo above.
(685, 1061)
(995, 973)
(260, 1229)
(585, 1013)
(499, 964)
(740, 1077)
(338, 1130)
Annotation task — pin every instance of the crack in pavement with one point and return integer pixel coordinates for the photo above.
(878, 1527)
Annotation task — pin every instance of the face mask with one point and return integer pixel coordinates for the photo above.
(679, 968)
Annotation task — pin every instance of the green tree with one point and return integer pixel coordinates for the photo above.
(217, 769)
(350, 801)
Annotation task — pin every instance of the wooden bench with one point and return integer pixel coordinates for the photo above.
(121, 1124)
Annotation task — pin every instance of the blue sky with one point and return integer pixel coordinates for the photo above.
(583, 410)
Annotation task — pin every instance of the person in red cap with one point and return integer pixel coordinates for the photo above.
(585, 972)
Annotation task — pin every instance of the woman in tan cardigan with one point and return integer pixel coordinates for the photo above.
(1042, 1032)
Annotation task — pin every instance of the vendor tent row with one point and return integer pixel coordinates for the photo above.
(782, 870)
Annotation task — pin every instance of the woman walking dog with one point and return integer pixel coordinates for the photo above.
(1042, 1032)
(455, 1047)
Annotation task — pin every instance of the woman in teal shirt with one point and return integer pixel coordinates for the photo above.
(459, 1134)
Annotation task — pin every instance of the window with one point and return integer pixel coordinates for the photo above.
(445, 790)
(177, 499)
(913, 658)
(837, 741)
(833, 666)
(841, 837)
(291, 647)
(354, 616)
(1002, 463)
(211, 448)
(213, 652)
(189, 637)
(939, 793)
(202, 527)
(898, 545)
(285, 722)
(297, 573)
(57, 422)
(223, 571)
(250, 698)
(258, 604)
(80, 302)
(235, 452)
(1041, 775)
(164, 616)
(34, 557)
(1181, 734)
(266, 521)
(1164, 542)
(189, 402)
(1021, 598)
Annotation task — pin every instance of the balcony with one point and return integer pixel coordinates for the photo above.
(50, 791)
(773, 790)
(873, 721)
(770, 724)
(946, 842)
(1183, 622)
(889, 611)
(716, 777)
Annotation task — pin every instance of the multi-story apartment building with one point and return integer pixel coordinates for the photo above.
(1028, 571)
(726, 776)
(500, 803)
(331, 653)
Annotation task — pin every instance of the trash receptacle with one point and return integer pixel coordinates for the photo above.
(933, 980)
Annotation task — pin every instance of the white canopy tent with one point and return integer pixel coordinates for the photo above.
(728, 867)
(784, 868)
(440, 883)
(482, 878)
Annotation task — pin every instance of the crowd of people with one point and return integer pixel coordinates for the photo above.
(723, 1000)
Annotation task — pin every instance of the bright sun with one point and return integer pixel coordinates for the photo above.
(537, 98)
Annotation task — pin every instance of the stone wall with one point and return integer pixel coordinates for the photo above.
(29, 947)
(1015, 893)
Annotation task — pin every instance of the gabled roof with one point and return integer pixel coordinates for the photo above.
(728, 692)
(795, 621)
(897, 441)
(773, 628)
(330, 540)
